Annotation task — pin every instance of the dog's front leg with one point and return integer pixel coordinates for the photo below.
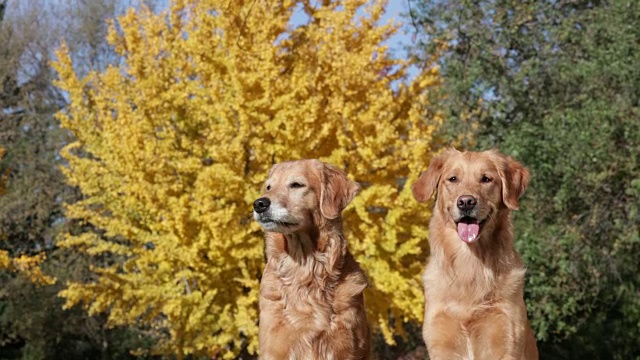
(497, 336)
(445, 337)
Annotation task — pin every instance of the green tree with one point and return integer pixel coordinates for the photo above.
(557, 84)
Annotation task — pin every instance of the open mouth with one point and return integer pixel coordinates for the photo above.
(469, 228)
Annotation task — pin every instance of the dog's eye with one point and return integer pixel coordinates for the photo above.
(268, 187)
(453, 179)
(486, 179)
(296, 185)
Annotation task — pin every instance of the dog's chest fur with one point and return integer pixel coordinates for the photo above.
(308, 296)
(304, 300)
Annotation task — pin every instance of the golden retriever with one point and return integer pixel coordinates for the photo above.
(474, 279)
(311, 292)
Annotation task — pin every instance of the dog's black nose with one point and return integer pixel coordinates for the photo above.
(467, 202)
(261, 205)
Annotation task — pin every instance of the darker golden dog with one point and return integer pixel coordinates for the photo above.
(311, 292)
(474, 279)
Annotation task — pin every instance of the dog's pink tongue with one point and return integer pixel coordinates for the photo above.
(468, 232)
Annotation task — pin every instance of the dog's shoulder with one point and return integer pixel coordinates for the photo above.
(353, 281)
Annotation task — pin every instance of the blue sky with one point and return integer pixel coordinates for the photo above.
(395, 10)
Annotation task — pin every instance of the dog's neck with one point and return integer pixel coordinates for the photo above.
(297, 257)
(306, 243)
(300, 246)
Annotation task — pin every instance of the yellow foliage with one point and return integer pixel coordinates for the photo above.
(26, 265)
(174, 143)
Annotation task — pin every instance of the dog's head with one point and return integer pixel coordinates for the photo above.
(472, 188)
(298, 193)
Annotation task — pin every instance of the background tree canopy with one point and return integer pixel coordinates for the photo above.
(557, 84)
(168, 114)
(173, 143)
(33, 324)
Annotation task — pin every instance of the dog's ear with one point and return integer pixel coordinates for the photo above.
(515, 178)
(336, 191)
(427, 183)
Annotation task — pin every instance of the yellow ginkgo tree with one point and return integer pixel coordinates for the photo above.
(173, 143)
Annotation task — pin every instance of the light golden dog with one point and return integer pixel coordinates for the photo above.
(311, 292)
(474, 279)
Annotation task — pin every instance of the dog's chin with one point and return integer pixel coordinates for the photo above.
(469, 228)
(278, 226)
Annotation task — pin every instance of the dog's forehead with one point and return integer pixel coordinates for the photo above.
(473, 162)
(299, 169)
